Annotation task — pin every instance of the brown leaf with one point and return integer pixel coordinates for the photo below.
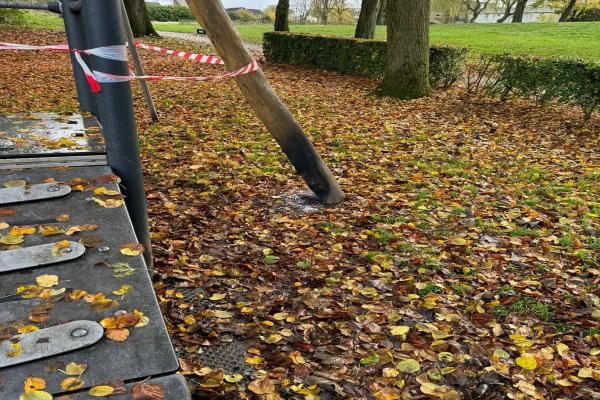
(148, 391)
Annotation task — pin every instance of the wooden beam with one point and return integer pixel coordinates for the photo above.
(265, 102)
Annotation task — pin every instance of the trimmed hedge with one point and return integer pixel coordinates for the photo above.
(169, 13)
(550, 80)
(355, 56)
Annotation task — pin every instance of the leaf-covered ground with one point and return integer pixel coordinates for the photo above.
(464, 263)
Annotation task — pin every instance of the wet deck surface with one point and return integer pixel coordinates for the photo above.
(104, 282)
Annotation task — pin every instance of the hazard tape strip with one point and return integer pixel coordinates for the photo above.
(103, 77)
(119, 53)
(202, 58)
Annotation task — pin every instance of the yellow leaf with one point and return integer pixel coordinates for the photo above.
(273, 338)
(233, 378)
(527, 361)
(458, 241)
(430, 388)
(80, 228)
(123, 290)
(297, 358)
(253, 360)
(388, 394)
(399, 330)
(74, 369)
(280, 316)
(36, 395)
(12, 239)
(47, 281)
(562, 349)
(408, 366)
(71, 383)
(261, 386)
(3, 225)
(15, 183)
(132, 249)
(109, 203)
(50, 230)
(107, 192)
(585, 373)
(143, 319)
(16, 350)
(368, 291)
(57, 249)
(390, 372)
(564, 382)
(27, 329)
(33, 383)
(217, 297)
(22, 230)
(101, 391)
(223, 314)
(337, 247)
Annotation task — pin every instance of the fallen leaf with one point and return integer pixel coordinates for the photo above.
(148, 391)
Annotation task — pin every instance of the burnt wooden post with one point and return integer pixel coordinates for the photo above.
(265, 102)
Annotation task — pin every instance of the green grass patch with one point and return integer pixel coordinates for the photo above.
(573, 40)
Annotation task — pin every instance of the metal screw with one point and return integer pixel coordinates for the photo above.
(89, 199)
(65, 250)
(54, 188)
(103, 249)
(27, 192)
(79, 332)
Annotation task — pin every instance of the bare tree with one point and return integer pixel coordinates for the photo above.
(365, 28)
(281, 16)
(566, 13)
(139, 18)
(381, 12)
(407, 68)
(519, 11)
(508, 9)
(301, 8)
(476, 7)
(322, 8)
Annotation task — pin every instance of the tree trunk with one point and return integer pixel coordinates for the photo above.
(265, 102)
(381, 12)
(365, 28)
(564, 16)
(507, 11)
(281, 16)
(138, 18)
(407, 69)
(519, 11)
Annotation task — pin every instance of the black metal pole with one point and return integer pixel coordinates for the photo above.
(103, 27)
(76, 38)
(53, 6)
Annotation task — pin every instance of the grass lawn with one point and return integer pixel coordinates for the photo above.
(581, 39)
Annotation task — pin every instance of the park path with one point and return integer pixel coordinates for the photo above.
(203, 39)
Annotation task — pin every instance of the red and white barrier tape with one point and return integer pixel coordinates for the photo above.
(103, 77)
(119, 53)
(202, 58)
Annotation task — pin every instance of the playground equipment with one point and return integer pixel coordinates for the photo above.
(74, 285)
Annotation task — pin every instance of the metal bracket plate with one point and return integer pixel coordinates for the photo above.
(36, 256)
(23, 194)
(49, 342)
